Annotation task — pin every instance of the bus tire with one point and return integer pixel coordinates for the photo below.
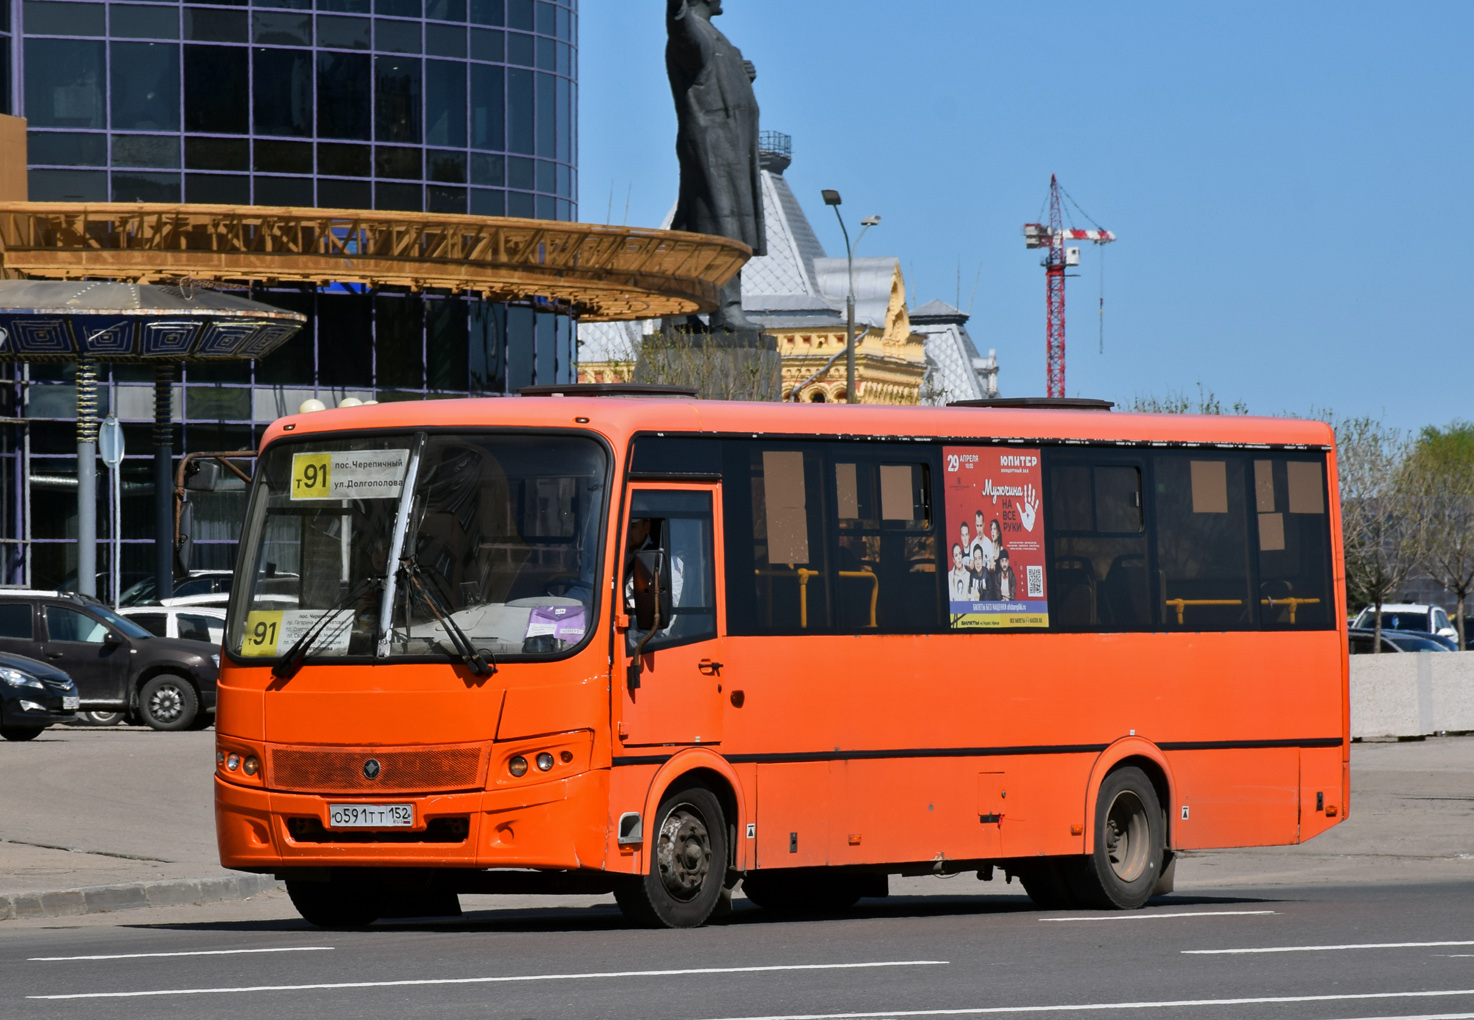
(688, 862)
(1130, 842)
(336, 903)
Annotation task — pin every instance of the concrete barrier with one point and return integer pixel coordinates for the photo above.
(1412, 694)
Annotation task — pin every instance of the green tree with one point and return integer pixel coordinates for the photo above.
(1381, 518)
(1179, 402)
(1441, 466)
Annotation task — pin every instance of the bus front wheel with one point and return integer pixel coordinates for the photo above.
(688, 863)
(1130, 841)
(339, 903)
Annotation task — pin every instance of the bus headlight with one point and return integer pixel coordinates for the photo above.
(544, 761)
(251, 765)
(232, 761)
(517, 766)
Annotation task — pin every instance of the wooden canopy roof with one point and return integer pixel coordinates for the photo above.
(595, 272)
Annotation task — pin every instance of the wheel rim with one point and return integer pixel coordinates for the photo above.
(166, 704)
(683, 853)
(1127, 836)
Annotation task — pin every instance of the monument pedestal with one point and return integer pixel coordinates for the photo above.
(720, 364)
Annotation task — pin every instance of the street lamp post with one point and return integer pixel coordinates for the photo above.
(831, 197)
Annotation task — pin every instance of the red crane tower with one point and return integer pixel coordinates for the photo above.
(1053, 237)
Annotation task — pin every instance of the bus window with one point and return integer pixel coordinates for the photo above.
(1294, 552)
(500, 537)
(790, 592)
(1202, 542)
(843, 540)
(1099, 578)
(885, 548)
(677, 522)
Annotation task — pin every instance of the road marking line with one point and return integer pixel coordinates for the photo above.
(198, 952)
(1153, 917)
(1420, 1016)
(1099, 1006)
(1322, 949)
(498, 980)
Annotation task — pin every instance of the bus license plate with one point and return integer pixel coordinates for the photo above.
(70, 704)
(371, 816)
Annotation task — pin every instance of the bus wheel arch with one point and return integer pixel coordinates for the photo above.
(714, 771)
(1132, 752)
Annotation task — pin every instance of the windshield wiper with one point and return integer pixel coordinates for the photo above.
(291, 661)
(467, 652)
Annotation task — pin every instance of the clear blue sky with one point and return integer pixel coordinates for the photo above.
(1291, 183)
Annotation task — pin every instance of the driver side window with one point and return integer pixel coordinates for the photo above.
(679, 525)
(70, 625)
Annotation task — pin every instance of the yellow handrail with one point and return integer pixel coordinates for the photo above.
(1181, 604)
(1293, 601)
(804, 573)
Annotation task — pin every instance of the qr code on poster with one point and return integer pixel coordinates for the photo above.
(1036, 582)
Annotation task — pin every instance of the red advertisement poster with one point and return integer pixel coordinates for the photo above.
(995, 537)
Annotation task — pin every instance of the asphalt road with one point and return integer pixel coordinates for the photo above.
(1324, 952)
(1373, 919)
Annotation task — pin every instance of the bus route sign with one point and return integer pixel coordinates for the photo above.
(995, 537)
(367, 474)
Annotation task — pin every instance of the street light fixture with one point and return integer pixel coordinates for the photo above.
(831, 198)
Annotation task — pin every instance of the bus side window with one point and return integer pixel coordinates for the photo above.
(1294, 558)
(677, 523)
(885, 556)
(1099, 577)
(1202, 542)
(790, 593)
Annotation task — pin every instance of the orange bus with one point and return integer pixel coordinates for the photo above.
(656, 647)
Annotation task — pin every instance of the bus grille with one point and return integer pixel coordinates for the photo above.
(400, 770)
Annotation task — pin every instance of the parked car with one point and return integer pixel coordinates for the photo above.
(193, 622)
(1416, 617)
(1394, 641)
(199, 582)
(167, 683)
(33, 695)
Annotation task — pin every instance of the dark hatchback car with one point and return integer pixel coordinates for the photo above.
(33, 695)
(166, 683)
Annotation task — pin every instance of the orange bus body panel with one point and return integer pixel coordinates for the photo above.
(865, 749)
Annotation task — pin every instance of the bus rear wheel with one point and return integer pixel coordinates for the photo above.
(688, 863)
(338, 903)
(1130, 842)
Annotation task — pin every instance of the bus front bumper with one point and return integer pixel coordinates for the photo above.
(558, 824)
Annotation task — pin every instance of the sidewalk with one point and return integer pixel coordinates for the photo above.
(108, 819)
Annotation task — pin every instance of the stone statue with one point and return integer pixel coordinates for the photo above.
(716, 140)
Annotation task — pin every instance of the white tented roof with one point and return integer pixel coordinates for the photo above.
(955, 370)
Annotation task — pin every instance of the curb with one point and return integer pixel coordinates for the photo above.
(132, 896)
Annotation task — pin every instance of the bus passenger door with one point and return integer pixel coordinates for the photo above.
(671, 676)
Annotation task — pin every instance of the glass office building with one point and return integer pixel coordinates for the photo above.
(442, 106)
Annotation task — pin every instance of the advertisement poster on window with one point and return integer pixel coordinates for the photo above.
(995, 537)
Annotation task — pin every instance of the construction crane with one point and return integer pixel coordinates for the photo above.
(1053, 237)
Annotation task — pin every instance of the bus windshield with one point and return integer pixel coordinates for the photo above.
(395, 545)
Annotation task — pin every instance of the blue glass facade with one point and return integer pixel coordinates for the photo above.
(438, 105)
(457, 106)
